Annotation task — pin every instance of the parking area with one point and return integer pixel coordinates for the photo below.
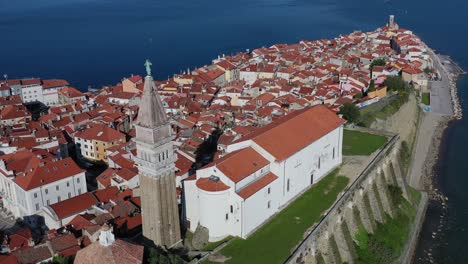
(440, 97)
(441, 100)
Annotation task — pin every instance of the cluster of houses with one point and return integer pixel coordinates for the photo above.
(245, 101)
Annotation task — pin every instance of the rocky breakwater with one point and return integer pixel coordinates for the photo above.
(457, 109)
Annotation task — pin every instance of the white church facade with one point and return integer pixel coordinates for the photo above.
(263, 172)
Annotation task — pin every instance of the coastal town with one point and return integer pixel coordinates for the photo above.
(223, 148)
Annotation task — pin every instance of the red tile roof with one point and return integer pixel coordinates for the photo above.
(63, 242)
(71, 92)
(134, 222)
(47, 173)
(54, 83)
(20, 239)
(9, 259)
(135, 78)
(13, 112)
(238, 165)
(126, 174)
(100, 132)
(298, 129)
(74, 205)
(209, 185)
(119, 252)
(107, 194)
(33, 255)
(259, 184)
(79, 222)
(105, 177)
(31, 82)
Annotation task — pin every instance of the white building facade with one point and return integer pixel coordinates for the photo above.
(25, 193)
(32, 93)
(236, 194)
(50, 96)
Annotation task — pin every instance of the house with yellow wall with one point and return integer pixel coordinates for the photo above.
(93, 141)
(379, 92)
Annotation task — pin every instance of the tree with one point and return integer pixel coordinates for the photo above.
(350, 112)
(395, 83)
(427, 70)
(371, 86)
(377, 62)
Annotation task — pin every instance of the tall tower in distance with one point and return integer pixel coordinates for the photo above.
(391, 23)
(156, 163)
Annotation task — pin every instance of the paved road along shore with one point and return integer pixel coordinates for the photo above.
(442, 108)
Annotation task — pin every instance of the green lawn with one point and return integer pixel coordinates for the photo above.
(361, 143)
(426, 98)
(274, 241)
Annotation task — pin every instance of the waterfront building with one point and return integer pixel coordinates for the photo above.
(231, 72)
(5, 90)
(31, 90)
(156, 164)
(29, 182)
(51, 90)
(70, 95)
(263, 172)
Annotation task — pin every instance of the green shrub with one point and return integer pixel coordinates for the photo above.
(389, 238)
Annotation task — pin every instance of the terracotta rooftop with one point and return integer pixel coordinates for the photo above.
(54, 83)
(33, 255)
(105, 195)
(47, 173)
(238, 165)
(298, 129)
(71, 92)
(210, 185)
(74, 205)
(100, 132)
(257, 185)
(119, 252)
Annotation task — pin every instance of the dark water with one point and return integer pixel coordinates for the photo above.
(96, 42)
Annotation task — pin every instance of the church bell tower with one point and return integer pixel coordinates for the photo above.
(156, 164)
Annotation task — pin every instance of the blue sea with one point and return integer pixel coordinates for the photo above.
(97, 42)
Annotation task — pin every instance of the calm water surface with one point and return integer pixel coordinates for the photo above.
(96, 42)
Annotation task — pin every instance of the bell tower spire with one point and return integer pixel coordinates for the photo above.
(156, 164)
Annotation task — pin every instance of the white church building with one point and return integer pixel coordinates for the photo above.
(263, 172)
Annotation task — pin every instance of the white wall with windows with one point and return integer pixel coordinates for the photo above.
(226, 213)
(32, 93)
(24, 203)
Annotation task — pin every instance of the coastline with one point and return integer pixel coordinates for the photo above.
(429, 174)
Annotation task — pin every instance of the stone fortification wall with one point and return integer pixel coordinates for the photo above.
(364, 203)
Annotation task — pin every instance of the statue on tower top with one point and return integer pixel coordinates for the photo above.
(148, 65)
